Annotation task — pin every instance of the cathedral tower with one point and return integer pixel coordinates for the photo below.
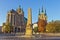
(16, 19)
(42, 20)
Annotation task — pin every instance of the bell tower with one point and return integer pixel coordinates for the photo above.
(42, 20)
(20, 10)
(43, 15)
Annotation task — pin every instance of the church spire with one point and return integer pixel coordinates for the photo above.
(19, 9)
(19, 6)
(45, 12)
(42, 9)
(39, 11)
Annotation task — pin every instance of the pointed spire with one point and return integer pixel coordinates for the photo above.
(19, 9)
(45, 12)
(39, 11)
(42, 9)
(19, 6)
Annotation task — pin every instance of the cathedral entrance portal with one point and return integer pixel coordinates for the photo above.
(17, 29)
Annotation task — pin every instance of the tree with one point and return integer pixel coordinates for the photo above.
(53, 27)
(50, 27)
(6, 28)
(41, 25)
(57, 28)
(35, 29)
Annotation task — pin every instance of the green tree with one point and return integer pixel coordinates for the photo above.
(57, 26)
(53, 27)
(35, 29)
(6, 28)
(50, 27)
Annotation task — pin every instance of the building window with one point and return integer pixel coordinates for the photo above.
(15, 29)
(18, 29)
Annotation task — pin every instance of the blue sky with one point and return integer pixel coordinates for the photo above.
(52, 7)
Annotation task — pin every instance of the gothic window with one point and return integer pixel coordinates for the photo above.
(18, 29)
(15, 29)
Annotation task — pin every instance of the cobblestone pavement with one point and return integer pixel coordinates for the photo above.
(37, 37)
(23, 38)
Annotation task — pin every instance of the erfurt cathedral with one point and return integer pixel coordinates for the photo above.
(16, 19)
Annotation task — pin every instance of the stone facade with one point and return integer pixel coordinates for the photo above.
(42, 21)
(16, 19)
